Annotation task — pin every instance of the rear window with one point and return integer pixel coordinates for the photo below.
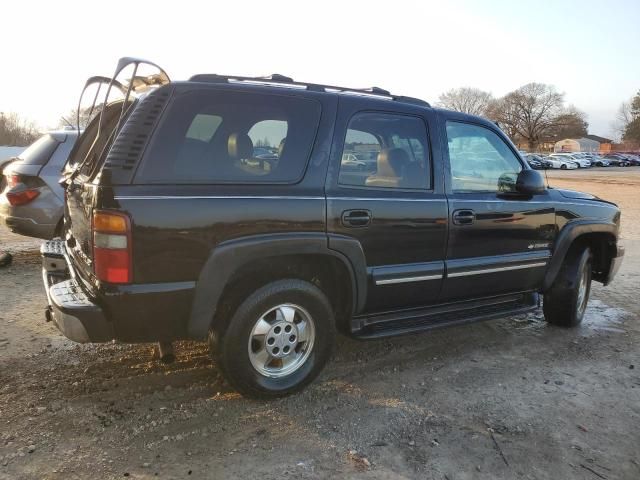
(232, 137)
(40, 151)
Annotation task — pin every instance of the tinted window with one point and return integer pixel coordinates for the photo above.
(218, 137)
(39, 152)
(480, 160)
(386, 151)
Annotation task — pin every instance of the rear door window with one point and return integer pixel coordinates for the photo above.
(385, 150)
(231, 137)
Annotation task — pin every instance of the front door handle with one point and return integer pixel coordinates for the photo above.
(463, 217)
(356, 218)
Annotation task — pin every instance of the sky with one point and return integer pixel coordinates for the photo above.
(589, 50)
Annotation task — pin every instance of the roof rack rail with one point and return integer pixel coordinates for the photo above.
(277, 79)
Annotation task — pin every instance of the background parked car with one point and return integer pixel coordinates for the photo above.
(535, 161)
(599, 160)
(561, 162)
(577, 159)
(32, 200)
(617, 160)
(632, 159)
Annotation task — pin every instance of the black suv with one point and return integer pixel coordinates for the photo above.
(265, 214)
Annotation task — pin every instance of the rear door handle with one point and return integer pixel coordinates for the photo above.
(356, 218)
(463, 217)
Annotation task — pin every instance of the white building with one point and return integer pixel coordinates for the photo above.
(576, 145)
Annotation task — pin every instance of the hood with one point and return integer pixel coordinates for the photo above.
(580, 195)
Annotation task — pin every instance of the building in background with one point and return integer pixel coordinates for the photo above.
(606, 144)
(577, 145)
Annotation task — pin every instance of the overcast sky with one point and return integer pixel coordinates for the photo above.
(589, 50)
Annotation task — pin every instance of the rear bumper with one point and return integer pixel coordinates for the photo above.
(73, 312)
(614, 266)
(130, 313)
(28, 226)
(36, 219)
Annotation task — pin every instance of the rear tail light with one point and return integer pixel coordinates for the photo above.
(13, 180)
(22, 197)
(112, 247)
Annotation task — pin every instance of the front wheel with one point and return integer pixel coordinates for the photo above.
(563, 167)
(566, 301)
(277, 341)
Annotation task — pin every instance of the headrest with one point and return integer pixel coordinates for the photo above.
(239, 146)
(391, 162)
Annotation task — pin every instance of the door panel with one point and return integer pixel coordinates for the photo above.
(385, 190)
(505, 248)
(499, 242)
(404, 242)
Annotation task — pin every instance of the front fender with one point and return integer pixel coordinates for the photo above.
(230, 256)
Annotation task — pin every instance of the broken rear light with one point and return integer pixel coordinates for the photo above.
(112, 247)
(13, 180)
(22, 197)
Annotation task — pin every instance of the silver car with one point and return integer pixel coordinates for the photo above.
(32, 201)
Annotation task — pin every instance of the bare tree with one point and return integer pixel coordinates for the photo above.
(529, 113)
(571, 123)
(623, 118)
(467, 100)
(16, 131)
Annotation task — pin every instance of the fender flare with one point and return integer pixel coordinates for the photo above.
(227, 257)
(569, 233)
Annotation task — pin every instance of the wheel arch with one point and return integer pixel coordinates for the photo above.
(241, 265)
(601, 237)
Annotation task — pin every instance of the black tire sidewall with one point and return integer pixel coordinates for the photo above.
(561, 301)
(232, 344)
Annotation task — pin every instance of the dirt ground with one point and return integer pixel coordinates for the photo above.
(505, 399)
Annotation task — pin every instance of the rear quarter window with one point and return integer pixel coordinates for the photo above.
(211, 136)
(40, 151)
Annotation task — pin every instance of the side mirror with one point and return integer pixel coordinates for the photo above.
(530, 182)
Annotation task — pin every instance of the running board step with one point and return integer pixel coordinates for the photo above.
(402, 323)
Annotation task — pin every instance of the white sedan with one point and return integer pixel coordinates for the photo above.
(559, 162)
(577, 159)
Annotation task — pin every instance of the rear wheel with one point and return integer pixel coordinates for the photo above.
(277, 341)
(566, 301)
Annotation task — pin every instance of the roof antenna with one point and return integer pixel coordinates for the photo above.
(546, 176)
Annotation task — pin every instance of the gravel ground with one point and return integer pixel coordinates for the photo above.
(505, 399)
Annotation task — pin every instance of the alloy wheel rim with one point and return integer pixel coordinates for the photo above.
(281, 340)
(582, 292)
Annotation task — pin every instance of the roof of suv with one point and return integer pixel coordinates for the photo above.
(282, 81)
(374, 93)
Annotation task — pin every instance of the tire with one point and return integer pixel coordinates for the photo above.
(566, 301)
(239, 343)
(563, 167)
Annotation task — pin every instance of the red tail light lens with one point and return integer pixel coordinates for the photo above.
(112, 257)
(22, 197)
